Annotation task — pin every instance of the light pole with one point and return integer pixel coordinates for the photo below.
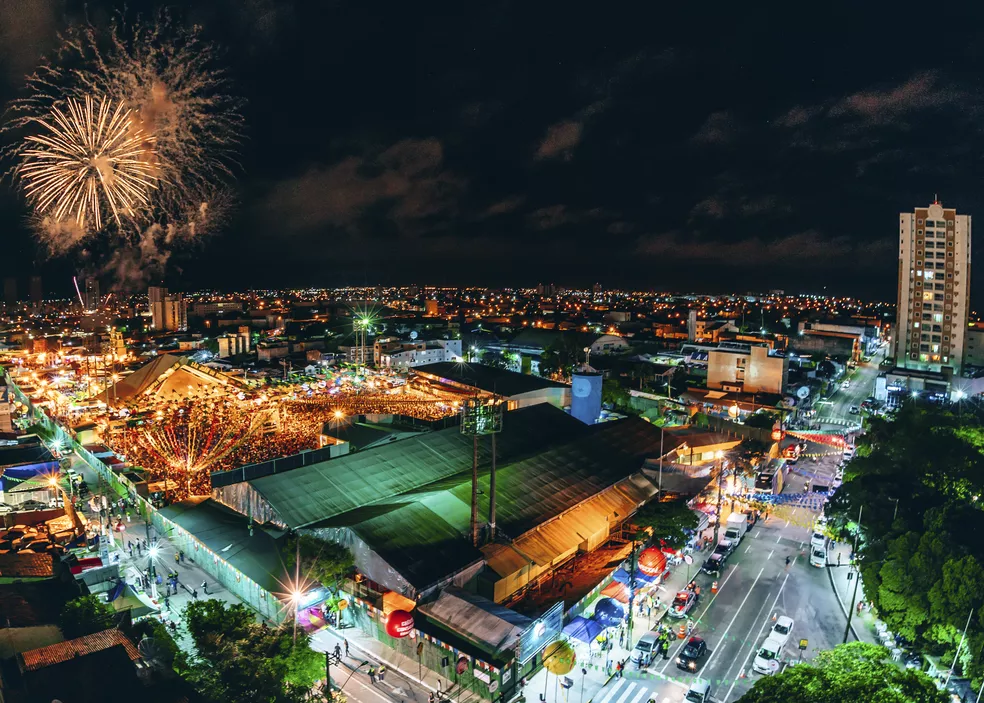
(719, 455)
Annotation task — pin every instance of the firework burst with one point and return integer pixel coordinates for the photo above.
(88, 158)
(167, 78)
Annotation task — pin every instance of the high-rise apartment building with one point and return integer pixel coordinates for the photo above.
(934, 289)
(91, 294)
(37, 291)
(175, 313)
(155, 300)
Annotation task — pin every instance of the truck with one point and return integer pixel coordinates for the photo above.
(737, 526)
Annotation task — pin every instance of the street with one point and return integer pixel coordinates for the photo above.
(755, 587)
(862, 386)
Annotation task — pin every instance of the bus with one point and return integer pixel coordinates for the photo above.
(770, 479)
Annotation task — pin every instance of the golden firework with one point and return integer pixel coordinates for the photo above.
(89, 158)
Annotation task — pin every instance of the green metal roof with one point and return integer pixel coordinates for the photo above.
(226, 533)
(321, 491)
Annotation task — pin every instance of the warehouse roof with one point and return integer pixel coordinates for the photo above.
(422, 533)
(321, 491)
(486, 378)
(491, 626)
(223, 531)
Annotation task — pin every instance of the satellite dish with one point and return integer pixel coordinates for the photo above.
(413, 335)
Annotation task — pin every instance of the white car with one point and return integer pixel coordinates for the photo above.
(782, 629)
(846, 384)
(818, 557)
(767, 658)
(819, 539)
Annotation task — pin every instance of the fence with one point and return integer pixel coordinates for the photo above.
(266, 468)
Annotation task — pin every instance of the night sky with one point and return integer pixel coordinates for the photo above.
(703, 146)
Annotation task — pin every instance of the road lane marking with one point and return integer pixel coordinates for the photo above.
(787, 523)
(778, 538)
(607, 697)
(771, 553)
(724, 635)
(745, 662)
(628, 692)
(662, 672)
(639, 697)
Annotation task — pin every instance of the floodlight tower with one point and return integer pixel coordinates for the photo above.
(481, 416)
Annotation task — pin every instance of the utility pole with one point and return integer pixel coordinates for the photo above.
(717, 525)
(474, 491)
(492, 494)
(330, 659)
(632, 574)
(857, 578)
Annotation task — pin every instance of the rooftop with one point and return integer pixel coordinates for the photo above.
(486, 378)
(82, 646)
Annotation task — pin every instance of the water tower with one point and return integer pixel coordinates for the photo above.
(586, 395)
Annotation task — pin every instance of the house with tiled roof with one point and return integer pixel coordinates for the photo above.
(53, 654)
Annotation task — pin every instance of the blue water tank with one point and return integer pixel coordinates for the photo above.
(586, 397)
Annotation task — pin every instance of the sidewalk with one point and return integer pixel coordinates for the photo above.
(601, 668)
(190, 576)
(405, 680)
(863, 625)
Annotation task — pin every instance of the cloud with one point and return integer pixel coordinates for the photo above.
(807, 247)
(408, 178)
(561, 140)
(797, 116)
(504, 206)
(717, 207)
(718, 128)
(921, 91)
(558, 215)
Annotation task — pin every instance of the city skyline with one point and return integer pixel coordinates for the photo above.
(500, 146)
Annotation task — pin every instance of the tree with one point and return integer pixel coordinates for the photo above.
(612, 393)
(917, 484)
(762, 419)
(86, 615)
(238, 659)
(324, 561)
(667, 521)
(848, 672)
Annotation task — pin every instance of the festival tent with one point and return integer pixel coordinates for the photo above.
(583, 629)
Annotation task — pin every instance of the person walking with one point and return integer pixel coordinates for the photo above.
(372, 676)
(194, 594)
(618, 669)
(205, 587)
(338, 651)
(181, 554)
(175, 557)
(382, 671)
(345, 642)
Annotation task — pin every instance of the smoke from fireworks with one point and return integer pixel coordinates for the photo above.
(88, 158)
(167, 80)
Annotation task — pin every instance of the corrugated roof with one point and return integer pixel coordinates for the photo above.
(491, 626)
(64, 651)
(324, 490)
(423, 534)
(488, 379)
(226, 533)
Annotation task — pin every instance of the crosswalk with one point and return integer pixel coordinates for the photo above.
(640, 691)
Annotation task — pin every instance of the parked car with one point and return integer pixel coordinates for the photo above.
(643, 652)
(690, 655)
(819, 539)
(818, 557)
(782, 629)
(714, 565)
(683, 603)
(854, 410)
